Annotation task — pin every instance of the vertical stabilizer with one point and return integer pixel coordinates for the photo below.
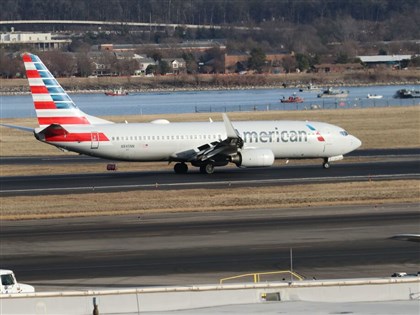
(52, 104)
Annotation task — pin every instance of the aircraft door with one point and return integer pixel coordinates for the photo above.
(94, 140)
(326, 134)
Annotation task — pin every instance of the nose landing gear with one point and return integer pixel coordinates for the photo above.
(181, 168)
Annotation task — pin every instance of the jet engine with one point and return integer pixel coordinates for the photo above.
(253, 158)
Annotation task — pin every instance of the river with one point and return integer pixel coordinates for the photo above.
(211, 101)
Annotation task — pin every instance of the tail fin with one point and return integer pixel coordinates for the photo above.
(52, 104)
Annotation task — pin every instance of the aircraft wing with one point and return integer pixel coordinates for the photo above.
(216, 150)
(407, 237)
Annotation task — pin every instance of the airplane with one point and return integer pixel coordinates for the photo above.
(205, 145)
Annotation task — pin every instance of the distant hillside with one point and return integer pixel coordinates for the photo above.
(305, 26)
(315, 31)
(211, 12)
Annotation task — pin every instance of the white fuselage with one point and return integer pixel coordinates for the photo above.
(162, 141)
(203, 144)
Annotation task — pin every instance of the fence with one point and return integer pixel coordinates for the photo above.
(315, 104)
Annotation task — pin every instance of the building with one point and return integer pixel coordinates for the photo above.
(396, 61)
(143, 64)
(188, 46)
(40, 41)
(336, 67)
(177, 65)
(238, 61)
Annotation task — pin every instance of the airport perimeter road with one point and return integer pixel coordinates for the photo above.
(223, 177)
(201, 248)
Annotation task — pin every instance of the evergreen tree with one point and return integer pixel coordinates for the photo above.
(257, 59)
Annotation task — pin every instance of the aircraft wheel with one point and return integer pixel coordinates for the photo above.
(207, 169)
(181, 168)
(326, 165)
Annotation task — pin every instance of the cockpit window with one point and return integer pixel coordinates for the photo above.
(7, 280)
(344, 133)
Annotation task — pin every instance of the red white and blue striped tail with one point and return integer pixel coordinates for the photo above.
(52, 104)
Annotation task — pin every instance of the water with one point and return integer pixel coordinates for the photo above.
(209, 101)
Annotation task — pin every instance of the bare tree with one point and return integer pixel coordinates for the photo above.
(60, 63)
(289, 64)
(84, 65)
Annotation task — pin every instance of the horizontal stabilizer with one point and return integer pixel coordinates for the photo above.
(27, 129)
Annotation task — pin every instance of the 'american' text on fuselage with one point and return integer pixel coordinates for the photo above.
(275, 136)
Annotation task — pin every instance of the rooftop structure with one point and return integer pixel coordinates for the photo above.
(41, 41)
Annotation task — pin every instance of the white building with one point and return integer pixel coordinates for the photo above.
(41, 41)
(143, 64)
(388, 60)
(177, 64)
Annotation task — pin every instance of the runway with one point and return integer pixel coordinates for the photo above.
(395, 165)
(196, 248)
(201, 247)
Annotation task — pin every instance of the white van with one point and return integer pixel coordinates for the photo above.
(9, 284)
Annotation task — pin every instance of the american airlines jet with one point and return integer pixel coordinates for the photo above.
(201, 144)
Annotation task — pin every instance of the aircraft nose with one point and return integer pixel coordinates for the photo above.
(355, 142)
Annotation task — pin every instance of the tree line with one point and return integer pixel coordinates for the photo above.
(207, 12)
(317, 31)
(302, 26)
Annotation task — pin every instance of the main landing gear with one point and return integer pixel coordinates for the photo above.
(207, 168)
(182, 168)
(326, 164)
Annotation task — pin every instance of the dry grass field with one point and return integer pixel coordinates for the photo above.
(377, 127)
(143, 202)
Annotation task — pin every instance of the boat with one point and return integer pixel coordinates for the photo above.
(407, 93)
(310, 88)
(330, 92)
(292, 99)
(116, 92)
(374, 96)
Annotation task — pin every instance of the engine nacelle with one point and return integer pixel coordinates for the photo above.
(253, 158)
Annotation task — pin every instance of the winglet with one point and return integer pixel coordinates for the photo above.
(230, 131)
